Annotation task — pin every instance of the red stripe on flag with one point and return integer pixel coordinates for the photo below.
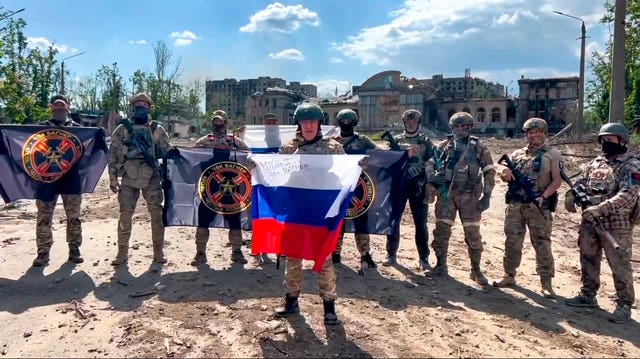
(294, 240)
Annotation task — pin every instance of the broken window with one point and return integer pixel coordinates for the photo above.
(480, 115)
(495, 115)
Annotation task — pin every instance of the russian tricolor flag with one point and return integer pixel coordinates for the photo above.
(269, 138)
(299, 203)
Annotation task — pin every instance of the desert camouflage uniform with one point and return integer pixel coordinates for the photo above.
(138, 176)
(613, 186)
(228, 142)
(415, 180)
(353, 145)
(468, 172)
(72, 204)
(519, 216)
(293, 267)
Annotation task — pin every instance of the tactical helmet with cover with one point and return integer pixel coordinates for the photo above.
(308, 111)
(140, 97)
(614, 128)
(411, 114)
(348, 114)
(535, 123)
(461, 118)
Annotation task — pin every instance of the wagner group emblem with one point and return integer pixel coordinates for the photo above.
(225, 187)
(362, 198)
(49, 154)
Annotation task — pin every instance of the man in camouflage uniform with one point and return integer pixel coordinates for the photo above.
(421, 150)
(309, 140)
(133, 155)
(219, 140)
(461, 171)
(72, 203)
(612, 182)
(354, 144)
(541, 163)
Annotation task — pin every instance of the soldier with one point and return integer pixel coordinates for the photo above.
(354, 143)
(421, 150)
(270, 119)
(612, 182)
(308, 116)
(219, 140)
(72, 203)
(463, 170)
(133, 155)
(541, 163)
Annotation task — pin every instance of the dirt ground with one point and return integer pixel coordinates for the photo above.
(224, 310)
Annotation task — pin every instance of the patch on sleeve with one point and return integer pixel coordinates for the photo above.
(561, 164)
(635, 178)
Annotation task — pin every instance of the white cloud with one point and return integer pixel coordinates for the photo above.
(327, 86)
(74, 50)
(43, 43)
(513, 19)
(336, 60)
(280, 18)
(139, 42)
(288, 54)
(183, 38)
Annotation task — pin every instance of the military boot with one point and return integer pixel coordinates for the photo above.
(122, 257)
(330, 316)
(289, 306)
(336, 258)
(582, 300)
(507, 281)
(441, 267)
(547, 288)
(391, 260)
(74, 254)
(42, 259)
(237, 256)
(158, 254)
(201, 254)
(423, 263)
(476, 274)
(366, 262)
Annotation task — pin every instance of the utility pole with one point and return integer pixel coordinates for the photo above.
(580, 116)
(616, 101)
(62, 92)
(11, 14)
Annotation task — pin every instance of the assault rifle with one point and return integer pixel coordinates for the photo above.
(582, 199)
(393, 143)
(140, 144)
(438, 179)
(520, 182)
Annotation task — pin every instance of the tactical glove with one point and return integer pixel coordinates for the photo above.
(485, 202)
(591, 213)
(570, 202)
(114, 185)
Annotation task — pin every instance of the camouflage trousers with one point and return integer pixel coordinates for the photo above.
(362, 242)
(466, 204)
(326, 278)
(591, 248)
(128, 198)
(202, 237)
(518, 217)
(72, 206)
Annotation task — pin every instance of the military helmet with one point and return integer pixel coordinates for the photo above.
(140, 97)
(220, 114)
(534, 123)
(461, 118)
(308, 111)
(348, 114)
(614, 128)
(411, 114)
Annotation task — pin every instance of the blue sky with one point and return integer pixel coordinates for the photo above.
(329, 43)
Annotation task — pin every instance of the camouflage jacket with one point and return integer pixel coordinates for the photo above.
(323, 146)
(135, 171)
(228, 142)
(357, 144)
(537, 164)
(68, 123)
(614, 185)
(463, 167)
(422, 149)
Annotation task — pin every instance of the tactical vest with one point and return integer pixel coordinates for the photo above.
(139, 139)
(461, 163)
(530, 166)
(416, 162)
(601, 182)
(354, 145)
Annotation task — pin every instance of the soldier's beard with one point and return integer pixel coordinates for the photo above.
(410, 131)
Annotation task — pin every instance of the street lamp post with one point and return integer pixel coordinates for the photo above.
(580, 119)
(62, 92)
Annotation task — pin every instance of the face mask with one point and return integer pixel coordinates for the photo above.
(141, 112)
(346, 130)
(59, 116)
(611, 148)
(219, 129)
